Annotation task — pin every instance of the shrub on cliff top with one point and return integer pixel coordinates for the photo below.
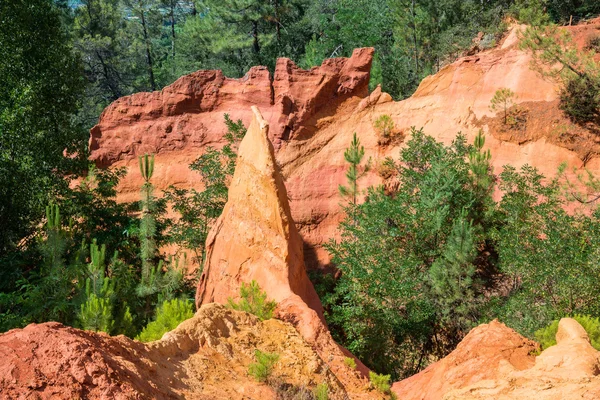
(547, 336)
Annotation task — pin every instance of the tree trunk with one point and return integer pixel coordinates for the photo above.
(277, 23)
(255, 45)
(414, 27)
(148, 50)
(172, 15)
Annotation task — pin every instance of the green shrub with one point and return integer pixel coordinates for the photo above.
(263, 367)
(322, 391)
(380, 382)
(384, 125)
(547, 336)
(168, 315)
(254, 301)
(349, 361)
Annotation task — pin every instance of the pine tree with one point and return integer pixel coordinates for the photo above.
(55, 242)
(96, 311)
(503, 99)
(481, 171)
(353, 155)
(147, 221)
(452, 278)
(149, 19)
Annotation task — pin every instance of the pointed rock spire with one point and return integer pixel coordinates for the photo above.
(255, 238)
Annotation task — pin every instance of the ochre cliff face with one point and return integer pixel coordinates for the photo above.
(178, 123)
(313, 115)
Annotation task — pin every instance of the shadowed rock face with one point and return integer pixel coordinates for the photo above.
(494, 362)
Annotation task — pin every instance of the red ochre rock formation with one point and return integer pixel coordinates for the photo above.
(255, 238)
(178, 122)
(205, 357)
(314, 113)
(494, 362)
(481, 355)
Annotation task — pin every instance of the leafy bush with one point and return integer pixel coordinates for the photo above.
(170, 314)
(547, 336)
(254, 301)
(322, 391)
(262, 369)
(349, 362)
(390, 243)
(380, 382)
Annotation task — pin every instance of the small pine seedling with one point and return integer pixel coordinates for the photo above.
(254, 301)
(262, 369)
(349, 362)
(380, 382)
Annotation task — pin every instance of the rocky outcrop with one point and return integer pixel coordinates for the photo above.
(485, 353)
(189, 113)
(314, 113)
(178, 122)
(255, 238)
(206, 357)
(495, 362)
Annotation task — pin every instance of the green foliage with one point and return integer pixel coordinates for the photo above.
(353, 156)
(531, 12)
(254, 301)
(408, 261)
(262, 369)
(547, 336)
(479, 163)
(380, 382)
(503, 99)
(40, 84)
(580, 99)
(96, 312)
(198, 210)
(147, 221)
(561, 11)
(321, 392)
(168, 316)
(384, 126)
(349, 362)
(420, 266)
